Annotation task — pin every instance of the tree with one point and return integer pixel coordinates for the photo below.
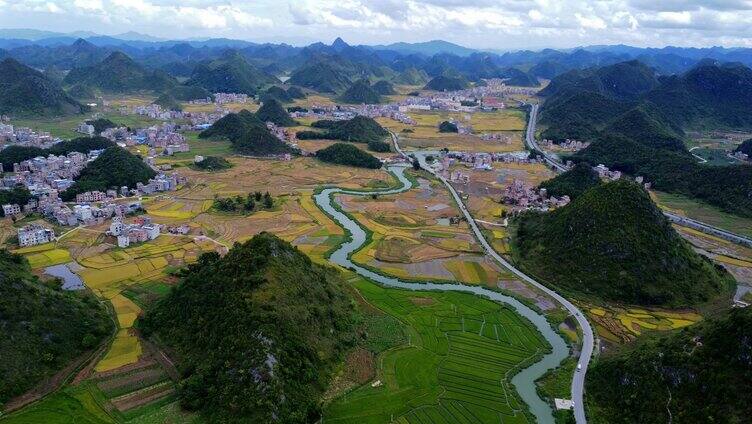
(268, 201)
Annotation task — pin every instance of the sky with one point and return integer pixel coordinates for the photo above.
(485, 24)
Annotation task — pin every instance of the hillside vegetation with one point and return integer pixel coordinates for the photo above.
(43, 329)
(360, 129)
(118, 73)
(320, 76)
(361, 92)
(247, 133)
(613, 243)
(701, 374)
(273, 111)
(114, 168)
(347, 154)
(27, 92)
(446, 83)
(230, 74)
(256, 334)
(573, 182)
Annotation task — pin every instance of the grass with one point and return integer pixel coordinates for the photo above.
(704, 212)
(72, 405)
(460, 353)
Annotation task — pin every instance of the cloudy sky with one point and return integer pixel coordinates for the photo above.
(493, 24)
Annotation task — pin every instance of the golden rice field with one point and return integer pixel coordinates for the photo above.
(621, 325)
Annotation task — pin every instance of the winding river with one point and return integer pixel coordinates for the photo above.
(524, 381)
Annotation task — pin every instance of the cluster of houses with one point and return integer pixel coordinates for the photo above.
(163, 138)
(523, 197)
(141, 230)
(34, 234)
(25, 136)
(565, 146)
(47, 175)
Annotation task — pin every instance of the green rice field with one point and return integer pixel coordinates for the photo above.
(460, 354)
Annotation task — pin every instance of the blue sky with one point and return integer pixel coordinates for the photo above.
(495, 24)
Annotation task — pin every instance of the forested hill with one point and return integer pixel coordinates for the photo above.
(230, 74)
(702, 374)
(248, 134)
(572, 183)
(118, 73)
(257, 333)
(114, 168)
(43, 329)
(27, 92)
(613, 243)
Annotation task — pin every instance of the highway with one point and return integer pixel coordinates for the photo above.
(677, 219)
(578, 379)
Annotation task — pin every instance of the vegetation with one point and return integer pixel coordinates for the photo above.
(213, 163)
(273, 111)
(446, 83)
(16, 154)
(168, 102)
(27, 92)
(320, 76)
(454, 367)
(745, 147)
(248, 204)
(448, 127)
(81, 92)
(230, 74)
(347, 154)
(518, 78)
(15, 196)
(277, 93)
(247, 133)
(573, 182)
(699, 374)
(43, 329)
(101, 124)
(379, 146)
(360, 92)
(265, 311)
(114, 168)
(118, 73)
(359, 129)
(613, 243)
(231, 126)
(384, 88)
(411, 76)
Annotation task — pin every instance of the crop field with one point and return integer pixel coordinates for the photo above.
(460, 354)
(44, 255)
(621, 325)
(210, 108)
(425, 135)
(412, 238)
(703, 212)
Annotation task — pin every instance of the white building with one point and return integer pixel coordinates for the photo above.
(11, 209)
(33, 234)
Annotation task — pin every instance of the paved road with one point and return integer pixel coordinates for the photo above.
(578, 380)
(678, 219)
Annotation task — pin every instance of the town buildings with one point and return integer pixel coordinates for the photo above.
(34, 234)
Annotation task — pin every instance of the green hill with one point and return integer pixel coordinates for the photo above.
(411, 76)
(613, 243)
(277, 93)
(172, 98)
(321, 77)
(213, 163)
(360, 129)
(16, 153)
(745, 147)
(296, 93)
(168, 102)
(644, 126)
(448, 127)
(347, 154)
(573, 182)
(43, 330)
(273, 111)
(518, 78)
(384, 88)
(257, 333)
(118, 73)
(81, 92)
(360, 92)
(258, 141)
(445, 83)
(230, 74)
(101, 124)
(701, 374)
(231, 126)
(114, 168)
(27, 92)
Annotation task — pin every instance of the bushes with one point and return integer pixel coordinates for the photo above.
(379, 146)
(347, 154)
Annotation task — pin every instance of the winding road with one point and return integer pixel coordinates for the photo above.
(588, 341)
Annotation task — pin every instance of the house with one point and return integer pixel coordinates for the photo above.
(34, 234)
(11, 209)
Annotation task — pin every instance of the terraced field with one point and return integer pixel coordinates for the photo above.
(621, 325)
(460, 355)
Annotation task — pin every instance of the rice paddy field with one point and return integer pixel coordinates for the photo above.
(412, 237)
(425, 134)
(455, 367)
(694, 209)
(620, 325)
(736, 259)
